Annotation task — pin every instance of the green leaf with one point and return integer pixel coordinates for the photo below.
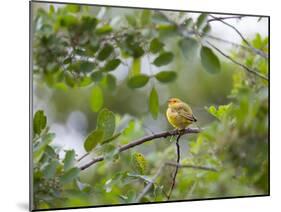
(112, 65)
(110, 152)
(69, 159)
(131, 20)
(105, 29)
(206, 29)
(188, 23)
(138, 81)
(93, 139)
(49, 150)
(131, 47)
(60, 86)
(51, 9)
(136, 67)
(163, 59)
(166, 76)
(110, 81)
(96, 99)
(139, 163)
(111, 139)
(39, 121)
(219, 112)
(188, 47)
(69, 79)
(41, 147)
(68, 21)
(70, 175)
(153, 103)
(105, 52)
(257, 41)
(166, 27)
(73, 8)
(160, 18)
(84, 81)
(50, 170)
(167, 31)
(86, 66)
(195, 145)
(201, 21)
(209, 60)
(74, 66)
(88, 23)
(155, 46)
(106, 122)
(96, 76)
(137, 51)
(67, 60)
(93, 46)
(145, 17)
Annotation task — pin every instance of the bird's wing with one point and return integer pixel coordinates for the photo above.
(186, 115)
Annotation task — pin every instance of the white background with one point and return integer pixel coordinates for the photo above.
(14, 102)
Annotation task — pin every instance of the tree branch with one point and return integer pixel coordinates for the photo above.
(140, 141)
(224, 18)
(229, 42)
(177, 167)
(257, 51)
(185, 33)
(82, 157)
(159, 171)
(237, 63)
(148, 186)
(191, 166)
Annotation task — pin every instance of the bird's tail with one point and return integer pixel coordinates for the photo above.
(194, 119)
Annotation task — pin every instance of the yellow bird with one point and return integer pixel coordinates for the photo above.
(179, 114)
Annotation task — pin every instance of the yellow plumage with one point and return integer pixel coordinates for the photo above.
(179, 114)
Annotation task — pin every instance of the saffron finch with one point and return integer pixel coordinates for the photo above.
(179, 114)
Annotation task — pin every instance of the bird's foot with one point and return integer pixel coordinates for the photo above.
(180, 131)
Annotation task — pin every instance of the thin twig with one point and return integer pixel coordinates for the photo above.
(159, 171)
(191, 166)
(148, 186)
(140, 141)
(237, 63)
(228, 42)
(177, 167)
(83, 156)
(257, 51)
(224, 18)
(187, 33)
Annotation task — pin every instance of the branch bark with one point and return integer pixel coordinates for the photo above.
(140, 141)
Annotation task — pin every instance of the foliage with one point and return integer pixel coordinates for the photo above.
(74, 48)
(79, 53)
(139, 163)
(56, 179)
(209, 60)
(104, 131)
